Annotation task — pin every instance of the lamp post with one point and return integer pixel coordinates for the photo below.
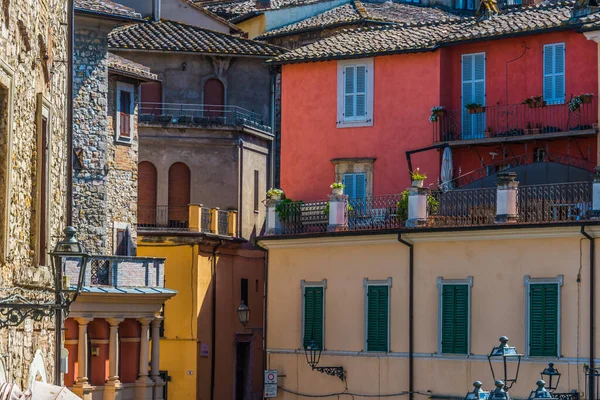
(511, 361)
(500, 392)
(478, 393)
(552, 376)
(540, 392)
(243, 313)
(313, 356)
(68, 256)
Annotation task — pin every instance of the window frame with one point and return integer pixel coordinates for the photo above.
(130, 88)
(117, 226)
(43, 113)
(440, 284)
(564, 74)
(354, 166)
(303, 285)
(7, 80)
(369, 88)
(528, 281)
(366, 283)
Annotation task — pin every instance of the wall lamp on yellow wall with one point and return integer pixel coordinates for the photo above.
(313, 356)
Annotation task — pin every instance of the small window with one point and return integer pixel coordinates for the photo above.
(355, 93)
(244, 290)
(355, 185)
(313, 313)
(377, 312)
(543, 316)
(256, 191)
(454, 315)
(122, 240)
(125, 106)
(554, 73)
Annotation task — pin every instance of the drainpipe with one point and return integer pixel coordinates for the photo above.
(70, 48)
(266, 287)
(240, 186)
(592, 307)
(411, 336)
(213, 333)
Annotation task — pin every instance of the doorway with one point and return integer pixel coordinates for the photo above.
(243, 371)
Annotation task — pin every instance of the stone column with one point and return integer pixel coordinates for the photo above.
(113, 383)
(273, 222)
(417, 207)
(154, 372)
(144, 384)
(506, 198)
(82, 387)
(338, 212)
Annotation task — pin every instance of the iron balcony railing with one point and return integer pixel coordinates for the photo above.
(551, 203)
(177, 218)
(206, 219)
(515, 120)
(120, 271)
(163, 217)
(201, 115)
(223, 225)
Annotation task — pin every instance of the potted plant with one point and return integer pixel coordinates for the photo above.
(402, 206)
(275, 194)
(535, 102)
(436, 112)
(146, 117)
(575, 103)
(185, 119)
(474, 108)
(288, 212)
(417, 178)
(587, 98)
(165, 119)
(337, 188)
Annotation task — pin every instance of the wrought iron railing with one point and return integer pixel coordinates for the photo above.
(206, 219)
(561, 202)
(515, 120)
(162, 217)
(223, 225)
(377, 212)
(100, 270)
(300, 217)
(462, 207)
(200, 115)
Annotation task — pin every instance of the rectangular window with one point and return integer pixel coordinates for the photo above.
(122, 242)
(313, 313)
(244, 290)
(554, 73)
(125, 107)
(256, 191)
(377, 311)
(543, 320)
(43, 132)
(355, 185)
(355, 93)
(455, 318)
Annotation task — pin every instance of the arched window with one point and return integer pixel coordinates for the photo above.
(179, 194)
(146, 194)
(214, 97)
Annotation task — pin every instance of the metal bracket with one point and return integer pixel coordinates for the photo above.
(16, 308)
(332, 371)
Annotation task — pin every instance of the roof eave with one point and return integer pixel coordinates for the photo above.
(139, 77)
(201, 53)
(113, 17)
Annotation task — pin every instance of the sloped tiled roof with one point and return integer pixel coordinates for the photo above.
(234, 9)
(177, 37)
(415, 37)
(106, 7)
(364, 12)
(127, 67)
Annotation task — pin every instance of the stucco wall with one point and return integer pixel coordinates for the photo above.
(22, 80)
(498, 266)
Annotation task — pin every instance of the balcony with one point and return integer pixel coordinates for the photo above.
(200, 116)
(516, 123)
(536, 204)
(193, 218)
(120, 271)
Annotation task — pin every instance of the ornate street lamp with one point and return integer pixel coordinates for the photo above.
(68, 258)
(540, 392)
(313, 356)
(499, 393)
(511, 361)
(478, 393)
(552, 376)
(243, 313)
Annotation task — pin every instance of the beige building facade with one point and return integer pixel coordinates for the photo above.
(498, 269)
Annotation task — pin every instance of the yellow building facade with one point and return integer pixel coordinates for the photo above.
(498, 270)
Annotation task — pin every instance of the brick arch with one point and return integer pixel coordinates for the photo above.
(147, 192)
(179, 192)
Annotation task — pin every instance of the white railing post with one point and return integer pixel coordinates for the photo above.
(338, 212)
(417, 206)
(506, 198)
(273, 222)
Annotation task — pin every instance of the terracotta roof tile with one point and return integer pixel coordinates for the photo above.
(411, 37)
(128, 67)
(175, 36)
(110, 8)
(234, 9)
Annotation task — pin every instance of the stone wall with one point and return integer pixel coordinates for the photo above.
(105, 176)
(33, 40)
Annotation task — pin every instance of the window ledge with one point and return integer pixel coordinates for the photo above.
(356, 124)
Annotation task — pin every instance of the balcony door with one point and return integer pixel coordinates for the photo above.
(214, 98)
(473, 91)
(179, 194)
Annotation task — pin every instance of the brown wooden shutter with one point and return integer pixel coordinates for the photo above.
(147, 193)
(125, 114)
(179, 192)
(214, 98)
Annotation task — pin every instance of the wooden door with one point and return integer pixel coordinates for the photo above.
(151, 98)
(179, 193)
(214, 98)
(146, 194)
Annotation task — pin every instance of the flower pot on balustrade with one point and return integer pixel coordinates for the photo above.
(534, 131)
(417, 183)
(537, 104)
(337, 191)
(165, 119)
(185, 119)
(275, 197)
(586, 99)
(476, 110)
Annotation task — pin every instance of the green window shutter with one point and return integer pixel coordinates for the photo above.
(455, 319)
(543, 320)
(313, 316)
(377, 318)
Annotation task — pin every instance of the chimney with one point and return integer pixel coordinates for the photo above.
(263, 4)
(156, 10)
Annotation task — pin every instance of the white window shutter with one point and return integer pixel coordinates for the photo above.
(361, 91)
(559, 72)
(349, 91)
